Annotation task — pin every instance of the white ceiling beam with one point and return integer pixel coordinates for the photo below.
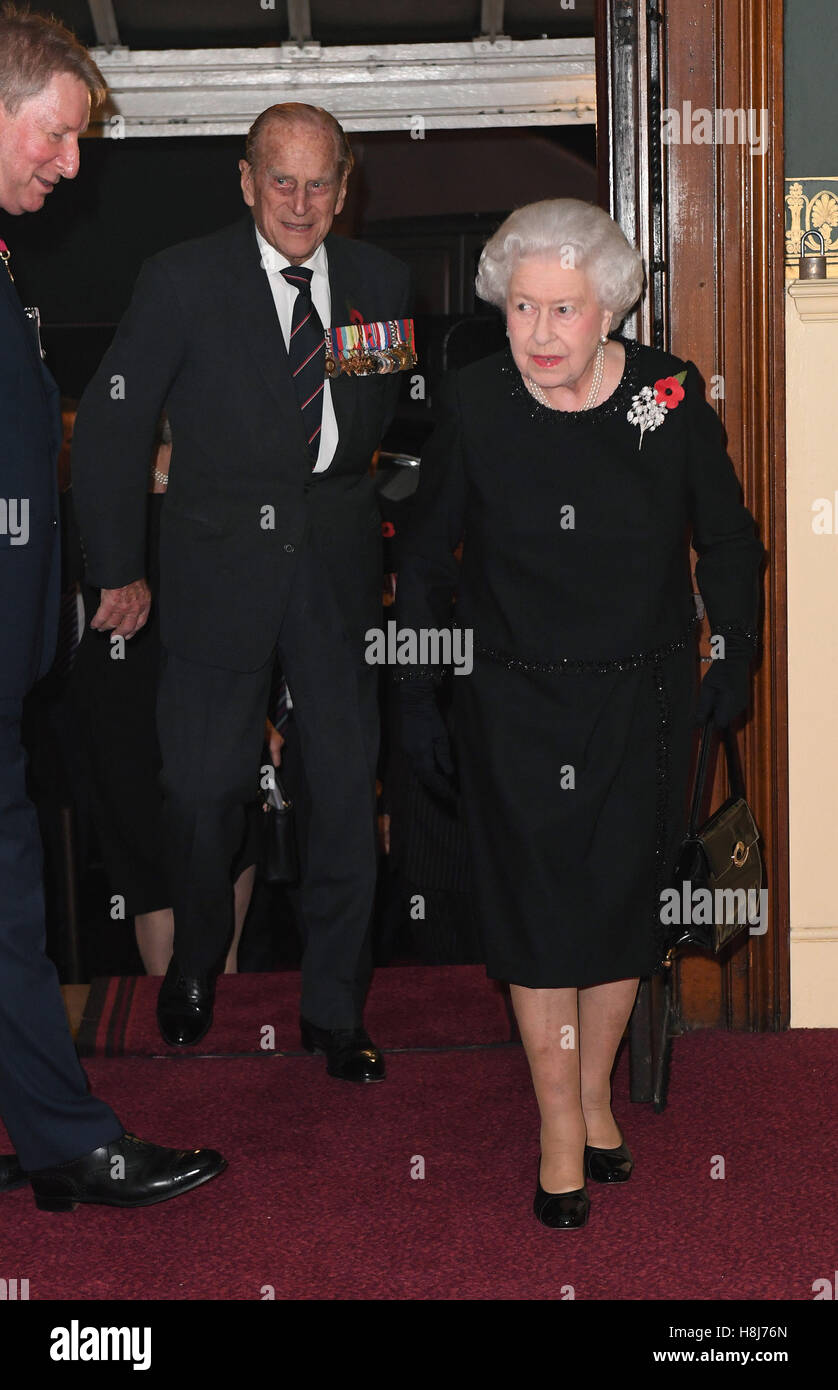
(299, 20)
(105, 26)
(491, 18)
(216, 91)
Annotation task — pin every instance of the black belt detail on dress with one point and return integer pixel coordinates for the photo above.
(569, 665)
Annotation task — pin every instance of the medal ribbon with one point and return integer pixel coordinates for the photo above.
(350, 346)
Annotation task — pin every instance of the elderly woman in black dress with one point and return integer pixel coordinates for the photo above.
(575, 466)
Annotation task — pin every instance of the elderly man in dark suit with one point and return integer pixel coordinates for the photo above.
(270, 547)
(70, 1146)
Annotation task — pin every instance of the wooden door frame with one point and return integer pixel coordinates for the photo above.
(709, 220)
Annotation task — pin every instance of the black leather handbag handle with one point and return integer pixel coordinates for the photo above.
(734, 771)
(280, 791)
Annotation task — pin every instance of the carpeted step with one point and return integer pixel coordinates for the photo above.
(325, 1196)
(408, 1007)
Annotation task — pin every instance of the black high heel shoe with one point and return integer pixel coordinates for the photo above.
(609, 1165)
(561, 1211)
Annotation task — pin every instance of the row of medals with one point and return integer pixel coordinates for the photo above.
(369, 361)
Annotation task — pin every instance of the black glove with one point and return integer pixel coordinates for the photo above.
(425, 740)
(726, 687)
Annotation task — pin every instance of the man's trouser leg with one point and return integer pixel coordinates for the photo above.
(335, 710)
(211, 727)
(44, 1095)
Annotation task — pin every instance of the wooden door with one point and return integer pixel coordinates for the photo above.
(708, 218)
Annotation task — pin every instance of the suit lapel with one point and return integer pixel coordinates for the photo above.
(344, 390)
(253, 312)
(16, 309)
(28, 337)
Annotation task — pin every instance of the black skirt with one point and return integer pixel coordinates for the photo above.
(574, 791)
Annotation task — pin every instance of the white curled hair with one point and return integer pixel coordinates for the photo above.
(582, 235)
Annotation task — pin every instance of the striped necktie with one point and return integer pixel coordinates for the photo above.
(306, 354)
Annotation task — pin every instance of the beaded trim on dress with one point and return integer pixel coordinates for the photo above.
(619, 400)
(570, 665)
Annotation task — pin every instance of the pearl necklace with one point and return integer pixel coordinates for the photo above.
(535, 389)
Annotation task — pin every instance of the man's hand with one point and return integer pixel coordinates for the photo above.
(124, 610)
(274, 739)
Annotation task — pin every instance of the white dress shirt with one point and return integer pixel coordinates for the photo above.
(273, 263)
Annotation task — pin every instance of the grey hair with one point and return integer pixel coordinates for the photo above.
(582, 234)
(290, 113)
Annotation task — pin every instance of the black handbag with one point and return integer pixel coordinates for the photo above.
(280, 861)
(721, 858)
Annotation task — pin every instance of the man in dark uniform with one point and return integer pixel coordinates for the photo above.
(70, 1146)
(270, 547)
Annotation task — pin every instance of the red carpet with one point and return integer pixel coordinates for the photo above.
(318, 1201)
(433, 1006)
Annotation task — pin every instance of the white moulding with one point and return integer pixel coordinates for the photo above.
(816, 301)
(219, 91)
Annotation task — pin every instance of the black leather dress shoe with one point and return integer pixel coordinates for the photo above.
(350, 1053)
(609, 1165)
(145, 1175)
(184, 1006)
(11, 1173)
(561, 1211)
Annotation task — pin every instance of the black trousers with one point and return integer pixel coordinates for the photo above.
(45, 1099)
(211, 730)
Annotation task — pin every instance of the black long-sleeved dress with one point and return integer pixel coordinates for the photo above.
(573, 731)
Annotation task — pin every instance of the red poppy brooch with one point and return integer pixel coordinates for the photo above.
(652, 404)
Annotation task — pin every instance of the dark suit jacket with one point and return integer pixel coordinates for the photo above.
(30, 437)
(202, 337)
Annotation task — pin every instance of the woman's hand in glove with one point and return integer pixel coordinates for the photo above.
(725, 689)
(425, 740)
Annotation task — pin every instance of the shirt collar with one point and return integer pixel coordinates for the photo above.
(273, 261)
